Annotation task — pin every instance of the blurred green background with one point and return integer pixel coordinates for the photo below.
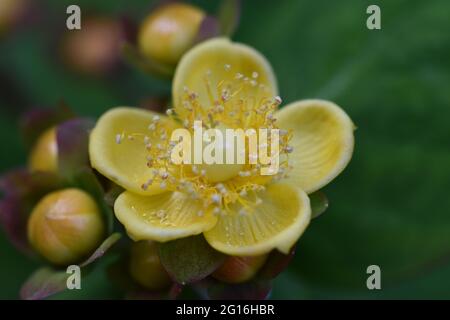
(391, 205)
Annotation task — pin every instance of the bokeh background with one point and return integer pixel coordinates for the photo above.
(391, 206)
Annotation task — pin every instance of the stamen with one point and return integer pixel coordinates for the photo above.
(241, 102)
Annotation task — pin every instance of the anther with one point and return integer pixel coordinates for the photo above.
(164, 175)
(118, 138)
(215, 198)
(289, 149)
(278, 100)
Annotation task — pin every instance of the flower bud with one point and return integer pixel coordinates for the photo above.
(44, 155)
(95, 49)
(145, 266)
(239, 269)
(169, 31)
(66, 226)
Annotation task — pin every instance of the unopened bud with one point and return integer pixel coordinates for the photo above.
(66, 226)
(44, 155)
(95, 49)
(145, 266)
(11, 12)
(169, 31)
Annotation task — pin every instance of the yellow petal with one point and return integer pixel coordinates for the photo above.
(124, 161)
(163, 217)
(278, 222)
(223, 60)
(322, 141)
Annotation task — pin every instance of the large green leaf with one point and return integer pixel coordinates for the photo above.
(189, 259)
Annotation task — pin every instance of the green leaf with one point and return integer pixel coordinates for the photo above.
(102, 249)
(319, 203)
(44, 283)
(229, 14)
(189, 259)
(47, 281)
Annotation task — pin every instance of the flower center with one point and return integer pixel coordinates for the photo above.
(222, 171)
(240, 103)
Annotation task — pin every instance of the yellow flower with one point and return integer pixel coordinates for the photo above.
(240, 212)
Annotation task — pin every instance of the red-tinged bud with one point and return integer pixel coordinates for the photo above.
(239, 269)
